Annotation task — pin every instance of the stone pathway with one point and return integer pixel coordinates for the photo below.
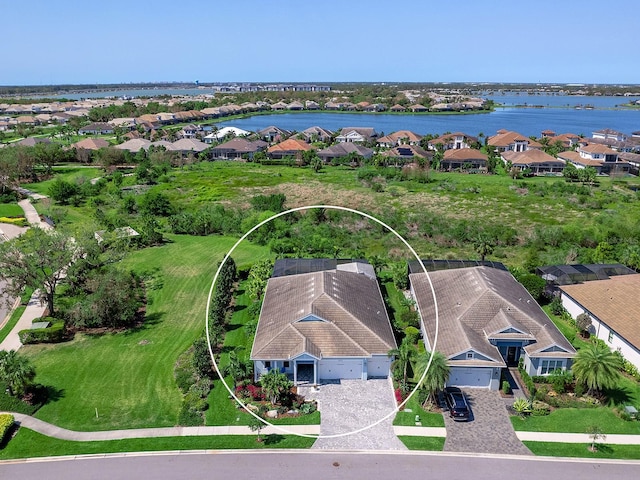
(488, 431)
(351, 405)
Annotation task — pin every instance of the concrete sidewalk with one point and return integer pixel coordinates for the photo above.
(34, 310)
(32, 215)
(63, 434)
(613, 439)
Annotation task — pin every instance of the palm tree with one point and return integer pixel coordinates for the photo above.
(237, 368)
(597, 367)
(404, 354)
(16, 371)
(436, 376)
(275, 385)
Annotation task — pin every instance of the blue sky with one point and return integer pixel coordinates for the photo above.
(86, 41)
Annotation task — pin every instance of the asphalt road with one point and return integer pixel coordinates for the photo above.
(319, 465)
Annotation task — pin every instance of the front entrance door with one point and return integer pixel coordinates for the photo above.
(511, 356)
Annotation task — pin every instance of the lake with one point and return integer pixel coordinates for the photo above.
(527, 121)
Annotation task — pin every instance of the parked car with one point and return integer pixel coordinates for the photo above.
(456, 404)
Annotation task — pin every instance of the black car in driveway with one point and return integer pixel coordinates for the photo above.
(456, 404)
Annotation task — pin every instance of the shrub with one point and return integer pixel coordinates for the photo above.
(578, 390)
(6, 422)
(506, 388)
(522, 406)
(52, 334)
(540, 409)
(307, 408)
(189, 417)
(556, 306)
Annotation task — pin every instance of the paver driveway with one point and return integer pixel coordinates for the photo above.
(489, 429)
(351, 405)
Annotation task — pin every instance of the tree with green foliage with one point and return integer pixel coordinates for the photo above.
(595, 433)
(404, 355)
(597, 367)
(16, 371)
(483, 245)
(570, 172)
(437, 375)
(275, 385)
(156, 203)
(259, 275)
(256, 425)
(63, 191)
(237, 368)
(583, 322)
(38, 259)
(400, 275)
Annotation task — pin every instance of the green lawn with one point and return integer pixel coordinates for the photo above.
(31, 444)
(70, 174)
(222, 410)
(577, 420)
(11, 210)
(128, 377)
(408, 419)
(552, 449)
(435, 444)
(15, 316)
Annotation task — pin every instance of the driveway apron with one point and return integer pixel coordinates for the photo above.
(489, 429)
(350, 405)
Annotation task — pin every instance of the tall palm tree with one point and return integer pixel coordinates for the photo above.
(404, 354)
(597, 367)
(436, 376)
(16, 371)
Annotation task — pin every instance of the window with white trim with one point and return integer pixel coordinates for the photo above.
(548, 366)
(469, 355)
(267, 364)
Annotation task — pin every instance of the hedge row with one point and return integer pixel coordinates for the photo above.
(6, 422)
(52, 334)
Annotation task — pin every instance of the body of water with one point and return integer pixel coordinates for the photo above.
(523, 120)
(566, 101)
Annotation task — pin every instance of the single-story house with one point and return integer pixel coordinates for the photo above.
(487, 321)
(536, 161)
(324, 325)
(273, 134)
(237, 148)
(614, 308)
(90, 144)
(134, 145)
(403, 154)
(471, 158)
(225, 131)
(400, 137)
(317, 134)
(97, 128)
(188, 145)
(291, 147)
(356, 134)
(342, 150)
(32, 141)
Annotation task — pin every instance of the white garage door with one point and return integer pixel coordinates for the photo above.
(470, 377)
(378, 366)
(337, 369)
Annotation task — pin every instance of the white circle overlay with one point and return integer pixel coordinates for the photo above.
(283, 428)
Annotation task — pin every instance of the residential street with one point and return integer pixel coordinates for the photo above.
(318, 465)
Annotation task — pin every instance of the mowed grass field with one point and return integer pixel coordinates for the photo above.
(125, 380)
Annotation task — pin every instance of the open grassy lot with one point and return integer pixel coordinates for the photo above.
(125, 380)
(28, 443)
(11, 210)
(70, 174)
(551, 449)
(408, 418)
(577, 420)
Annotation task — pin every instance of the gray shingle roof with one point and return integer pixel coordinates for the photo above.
(480, 302)
(326, 314)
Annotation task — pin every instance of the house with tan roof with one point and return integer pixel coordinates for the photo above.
(454, 141)
(326, 324)
(535, 161)
(317, 134)
(404, 154)
(238, 148)
(356, 134)
(580, 162)
(291, 147)
(512, 141)
(90, 144)
(342, 150)
(608, 158)
(486, 321)
(465, 159)
(400, 137)
(273, 134)
(613, 305)
(97, 128)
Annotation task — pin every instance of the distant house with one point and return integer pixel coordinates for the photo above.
(188, 145)
(90, 144)
(404, 154)
(535, 161)
(224, 132)
(356, 134)
(190, 131)
(398, 138)
(568, 140)
(375, 107)
(609, 134)
(317, 134)
(418, 108)
(296, 105)
(32, 141)
(289, 148)
(505, 141)
(453, 141)
(311, 105)
(238, 148)
(613, 305)
(486, 322)
(579, 161)
(273, 134)
(548, 133)
(279, 106)
(97, 128)
(398, 108)
(610, 163)
(324, 325)
(134, 145)
(464, 158)
(342, 150)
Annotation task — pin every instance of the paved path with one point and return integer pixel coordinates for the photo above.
(64, 434)
(34, 310)
(351, 405)
(32, 215)
(7, 232)
(488, 431)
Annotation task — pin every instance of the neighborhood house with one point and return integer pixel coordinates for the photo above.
(327, 324)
